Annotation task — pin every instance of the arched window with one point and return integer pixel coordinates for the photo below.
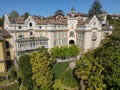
(30, 24)
(31, 33)
(71, 34)
(94, 36)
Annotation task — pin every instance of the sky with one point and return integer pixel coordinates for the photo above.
(48, 7)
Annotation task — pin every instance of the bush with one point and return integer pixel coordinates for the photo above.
(10, 87)
(13, 73)
(59, 68)
(67, 78)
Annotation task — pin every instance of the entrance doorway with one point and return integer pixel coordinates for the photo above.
(71, 42)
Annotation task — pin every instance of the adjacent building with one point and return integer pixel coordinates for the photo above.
(6, 55)
(56, 30)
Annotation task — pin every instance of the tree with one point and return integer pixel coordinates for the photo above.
(42, 69)
(89, 72)
(67, 78)
(14, 14)
(73, 50)
(95, 9)
(26, 72)
(109, 56)
(114, 22)
(26, 14)
(65, 51)
(2, 21)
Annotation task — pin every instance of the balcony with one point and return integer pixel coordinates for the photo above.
(31, 43)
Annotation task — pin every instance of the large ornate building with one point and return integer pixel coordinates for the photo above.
(57, 30)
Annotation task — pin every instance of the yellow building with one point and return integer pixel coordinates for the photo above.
(6, 56)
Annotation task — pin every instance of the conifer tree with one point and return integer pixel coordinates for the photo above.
(25, 72)
(14, 14)
(42, 69)
(95, 9)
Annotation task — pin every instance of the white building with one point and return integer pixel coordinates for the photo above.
(57, 30)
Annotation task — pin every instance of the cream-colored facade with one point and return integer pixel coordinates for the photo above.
(57, 30)
(6, 56)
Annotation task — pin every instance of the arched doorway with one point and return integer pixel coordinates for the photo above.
(71, 42)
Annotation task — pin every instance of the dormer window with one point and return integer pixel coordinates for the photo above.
(30, 24)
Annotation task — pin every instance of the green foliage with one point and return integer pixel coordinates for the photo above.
(14, 14)
(10, 87)
(99, 67)
(67, 78)
(89, 71)
(58, 85)
(26, 71)
(2, 21)
(13, 73)
(26, 14)
(109, 55)
(73, 50)
(59, 68)
(95, 9)
(113, 22)
(65, 51)
(42, 69)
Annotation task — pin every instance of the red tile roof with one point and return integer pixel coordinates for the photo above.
(83, 22)
(4, 33)
(19, 20)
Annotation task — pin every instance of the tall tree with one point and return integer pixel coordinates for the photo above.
(26, 14)
(14, 14)
(42, 69)
(95, 9)
(26, 72)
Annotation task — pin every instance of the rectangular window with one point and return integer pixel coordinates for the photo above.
(8, 53)
(63, 35)
(20, 36)
(93, 45)
(7, 44)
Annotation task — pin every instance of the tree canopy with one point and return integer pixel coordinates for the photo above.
(65, 51)
(95, 9)
(109, 56)
(26, 72)
(42, 69)
(2, 21)
(14, 14)
(89, 72)
(99, 67)
(26, 14)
